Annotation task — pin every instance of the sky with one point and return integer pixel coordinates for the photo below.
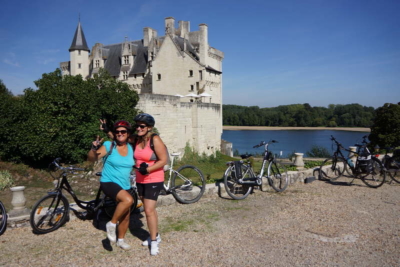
(278, 52)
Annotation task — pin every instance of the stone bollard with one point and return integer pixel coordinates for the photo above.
(352, 154)
(298, 160)
(18, 202)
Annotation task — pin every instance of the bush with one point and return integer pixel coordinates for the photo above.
(6, 180)
(318, 152)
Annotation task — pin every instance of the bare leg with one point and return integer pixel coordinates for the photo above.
(151, 216)
(122, 212)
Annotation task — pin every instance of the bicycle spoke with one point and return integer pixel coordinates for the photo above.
(188, 184)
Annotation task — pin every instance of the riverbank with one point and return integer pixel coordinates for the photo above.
(267, 128)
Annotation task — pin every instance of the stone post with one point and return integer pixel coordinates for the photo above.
(352, 154)
(298, 160)
(18, 201)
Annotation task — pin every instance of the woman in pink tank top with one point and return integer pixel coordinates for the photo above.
(149, 174)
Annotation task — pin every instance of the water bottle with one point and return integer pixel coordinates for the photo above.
(350, 162)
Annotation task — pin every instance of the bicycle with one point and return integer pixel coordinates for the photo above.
(367, 167)
(52, 210)
(3, 218)
(186, 184)
(392, 163)
(240, 178)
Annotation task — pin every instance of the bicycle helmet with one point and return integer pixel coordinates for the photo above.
(146, 118)
(124, 124)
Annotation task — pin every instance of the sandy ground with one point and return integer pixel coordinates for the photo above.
(316, 224)
(265, 128)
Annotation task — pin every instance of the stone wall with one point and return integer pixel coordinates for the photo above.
(198, 124)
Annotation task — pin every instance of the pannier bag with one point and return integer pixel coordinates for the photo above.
(238, 169)
(364, 160)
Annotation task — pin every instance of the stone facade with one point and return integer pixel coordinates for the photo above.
(178, 77)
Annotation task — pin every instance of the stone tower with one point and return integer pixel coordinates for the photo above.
(79, 54)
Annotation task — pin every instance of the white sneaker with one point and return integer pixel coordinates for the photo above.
(154, 248)
(111, 232)
(123, 245)
(147, 241)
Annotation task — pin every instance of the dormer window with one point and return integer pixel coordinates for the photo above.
(125, 75)
(97, 63)
(126, 60)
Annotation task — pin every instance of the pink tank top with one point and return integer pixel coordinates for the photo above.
(144, 155)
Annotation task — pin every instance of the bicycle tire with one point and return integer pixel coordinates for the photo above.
(110, 204)
(49, 214)
(279, 179)
(233, 188)
(394, 174)
(376, 177)
(3, 218)
(331, 169)
(188, 184)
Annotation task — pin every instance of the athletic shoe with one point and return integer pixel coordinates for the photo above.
(123, 245)
(154, 248)
(147, 241)
(111, 232)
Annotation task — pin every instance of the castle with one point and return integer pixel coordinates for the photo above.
(178, 77)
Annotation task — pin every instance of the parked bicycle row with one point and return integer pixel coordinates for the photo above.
(360, 164)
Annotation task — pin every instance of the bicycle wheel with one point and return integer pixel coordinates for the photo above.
(331, 169)
(375, 177)
(110, 205)
(188, 184)
(3, 218)
(49, 213)
(232, 186)
(394, 174)
(279, 178)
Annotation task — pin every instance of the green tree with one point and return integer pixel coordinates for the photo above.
(61, 118)
(385, 130)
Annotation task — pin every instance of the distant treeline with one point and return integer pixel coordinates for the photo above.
(300, 115)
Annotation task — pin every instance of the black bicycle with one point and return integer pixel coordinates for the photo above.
(341, 169)
(240, 178)
(52, 211)
(3, 218)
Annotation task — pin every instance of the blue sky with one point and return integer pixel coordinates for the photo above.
(276, 52)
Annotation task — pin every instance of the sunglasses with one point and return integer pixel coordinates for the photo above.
(141, 126)
(121, 132)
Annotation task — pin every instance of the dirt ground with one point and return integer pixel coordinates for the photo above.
(316, 224)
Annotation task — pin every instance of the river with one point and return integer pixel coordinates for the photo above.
(289, 141)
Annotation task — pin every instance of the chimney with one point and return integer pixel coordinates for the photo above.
(170, 26)
(184, 28)
(148, 34)
(203, 43)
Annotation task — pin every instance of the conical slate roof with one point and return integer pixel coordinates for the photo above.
(79, 42)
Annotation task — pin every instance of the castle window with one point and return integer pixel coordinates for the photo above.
(134, 76)
(125, 75)
(192, 87)
(190, 73)
(201, 75)
(126, 60)
(159, 77)
(79, 65)
(97, 63)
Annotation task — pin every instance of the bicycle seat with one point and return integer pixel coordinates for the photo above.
(175, 154)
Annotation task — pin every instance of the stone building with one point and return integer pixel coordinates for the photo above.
(178, 77)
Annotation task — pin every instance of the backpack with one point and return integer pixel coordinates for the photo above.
(135, 139)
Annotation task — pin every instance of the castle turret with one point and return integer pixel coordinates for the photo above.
(79, 54)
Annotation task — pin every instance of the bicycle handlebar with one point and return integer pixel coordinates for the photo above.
(70, 169)
(263, 143)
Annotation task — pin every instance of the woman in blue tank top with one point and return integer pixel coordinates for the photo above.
(115, 178)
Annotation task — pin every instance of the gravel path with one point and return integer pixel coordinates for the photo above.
(315, 224)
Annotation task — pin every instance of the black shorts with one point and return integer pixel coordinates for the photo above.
(150, 191)
(111, 189)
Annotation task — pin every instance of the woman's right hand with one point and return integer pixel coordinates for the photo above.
(97, 143)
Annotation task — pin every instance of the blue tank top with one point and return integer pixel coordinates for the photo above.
(117, 168)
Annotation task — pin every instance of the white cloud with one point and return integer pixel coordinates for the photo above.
(11, 62)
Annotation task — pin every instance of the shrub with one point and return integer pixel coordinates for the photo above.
(6, 180)
(318, 152)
